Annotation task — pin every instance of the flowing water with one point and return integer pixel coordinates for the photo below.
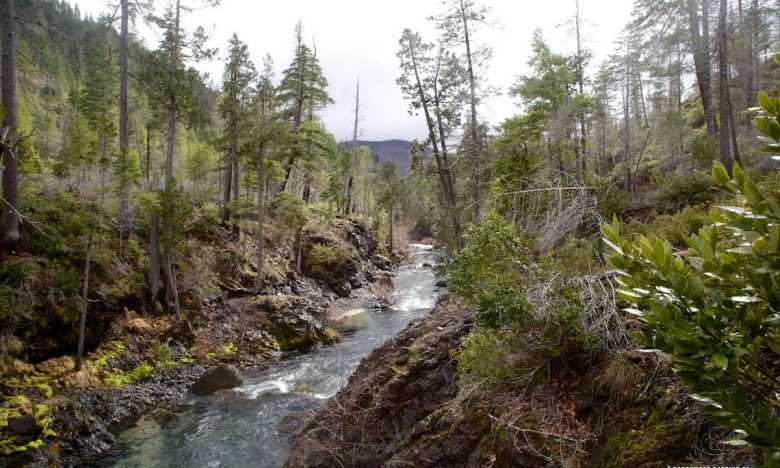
(247, 429)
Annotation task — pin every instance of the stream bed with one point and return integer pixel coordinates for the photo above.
(247, 428)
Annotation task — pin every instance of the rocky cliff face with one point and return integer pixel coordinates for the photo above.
(395, 403)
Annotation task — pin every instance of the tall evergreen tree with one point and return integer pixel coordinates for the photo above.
(237, 82)
(302, 92)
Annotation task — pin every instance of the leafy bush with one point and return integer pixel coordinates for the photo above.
(9, 304)
(704, 149)
(715, 313)
(678, 191)
(486, 271)
(484, 358)
(575, 257)
(612, 199)
(291, 208)
(674, 227)
(161, 353)
(206, 220)
(322, 261)
(16, 272)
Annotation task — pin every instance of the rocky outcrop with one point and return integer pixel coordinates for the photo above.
(285, 323)
(343, 258)
(217, 378)
(397, 394)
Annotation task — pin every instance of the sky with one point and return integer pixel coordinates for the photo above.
(359, 38)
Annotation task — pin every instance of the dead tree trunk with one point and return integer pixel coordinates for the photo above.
(84, 304)
(353, 153)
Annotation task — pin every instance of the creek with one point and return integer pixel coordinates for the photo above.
(249, 428)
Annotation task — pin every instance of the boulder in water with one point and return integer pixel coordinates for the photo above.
(217, 378)
(297, 329)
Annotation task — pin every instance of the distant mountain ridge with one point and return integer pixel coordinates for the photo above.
(391, 150)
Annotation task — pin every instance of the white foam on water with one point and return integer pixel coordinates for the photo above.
(421, 246)
(278, 386)
(415, 300)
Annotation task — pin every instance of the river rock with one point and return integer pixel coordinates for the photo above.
(442, 283)
(198, 370)
(24, 426)
(217, 378)
(296, 329)
(381, 262)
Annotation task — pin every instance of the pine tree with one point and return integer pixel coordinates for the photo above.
(234, 108)
(174, 87)
(302, 92)
(430, 83)
(457, 26)
(267, 131)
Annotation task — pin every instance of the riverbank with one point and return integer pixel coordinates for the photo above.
(250, 425)
(148, 362)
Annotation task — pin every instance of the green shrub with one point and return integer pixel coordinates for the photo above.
(487, 272)
(320, 261)
(64, 278)
(206, 220)
(575, 257)
(291, 209)
(15, 272)
(161, 353)
(484, 358)
(675, 227)
(678, 191)
(9, 304)
(704, 149)
(612, 199)
(716, 313)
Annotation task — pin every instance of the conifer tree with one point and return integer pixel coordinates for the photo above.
(302, 92)
(239, 75)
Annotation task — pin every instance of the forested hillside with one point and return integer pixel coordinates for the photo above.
(610, 251)
(142, 203)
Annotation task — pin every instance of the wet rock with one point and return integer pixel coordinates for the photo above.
(297, 329)
(442, 283)
(384, 410)
(198, 370)
(427, 265)
(23, 426)
(381, 262)
(217, 378)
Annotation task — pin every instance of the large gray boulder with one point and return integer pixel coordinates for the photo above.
(217, 378)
